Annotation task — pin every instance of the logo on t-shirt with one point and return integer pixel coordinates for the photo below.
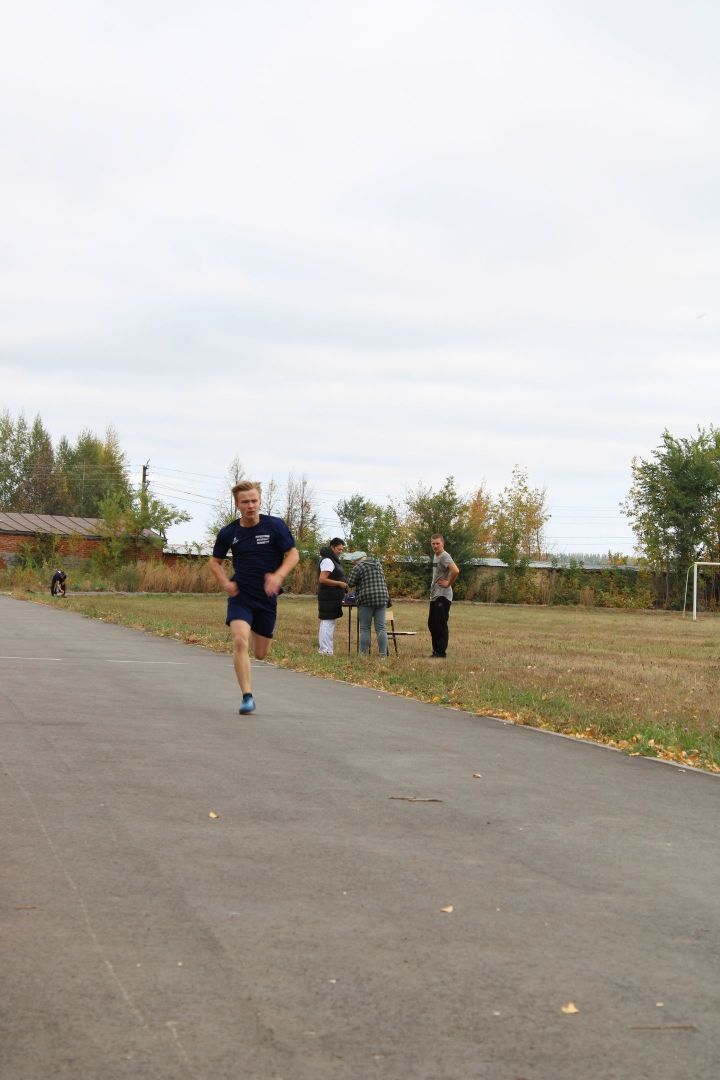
(263, 538)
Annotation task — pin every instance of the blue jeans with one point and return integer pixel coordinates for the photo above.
(366, 615)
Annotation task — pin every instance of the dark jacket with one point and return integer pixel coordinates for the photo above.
(330, 597)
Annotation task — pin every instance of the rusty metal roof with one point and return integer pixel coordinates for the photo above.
(56, 525)
(49, 524)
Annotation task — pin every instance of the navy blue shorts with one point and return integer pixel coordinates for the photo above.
(260, 613)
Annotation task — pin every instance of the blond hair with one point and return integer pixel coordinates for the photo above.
(246, 485)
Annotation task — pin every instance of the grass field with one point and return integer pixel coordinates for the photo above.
(646, 682)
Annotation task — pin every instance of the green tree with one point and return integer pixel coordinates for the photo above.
(519, 517)
(445, 512)
(30, 481)
(480, 515)
(92, 469)
(674, 505)
(368, 526)
(135, 522)
(14, 440)
(44, 488)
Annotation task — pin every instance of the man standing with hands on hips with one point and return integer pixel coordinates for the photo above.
(444, 574)
(263, 554)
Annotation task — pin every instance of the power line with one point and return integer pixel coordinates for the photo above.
(165, 488)
(185, 472)
(110, 475)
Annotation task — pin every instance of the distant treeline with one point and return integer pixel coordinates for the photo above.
(673, 505)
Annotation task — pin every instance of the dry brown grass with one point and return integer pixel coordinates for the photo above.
(645, 681)
(183, 575)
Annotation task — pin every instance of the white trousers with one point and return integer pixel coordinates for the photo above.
(325, 637)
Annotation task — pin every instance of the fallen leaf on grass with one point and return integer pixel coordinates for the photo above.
(448, 910)
(570, 1008)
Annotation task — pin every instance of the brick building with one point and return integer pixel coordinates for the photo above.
(74, 537)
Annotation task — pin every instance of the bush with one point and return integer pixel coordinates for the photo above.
(610, 588)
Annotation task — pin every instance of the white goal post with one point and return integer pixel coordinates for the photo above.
(695, 579)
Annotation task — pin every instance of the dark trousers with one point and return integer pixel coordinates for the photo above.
(438, 616)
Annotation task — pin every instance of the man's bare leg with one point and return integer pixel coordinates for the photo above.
(261, 646)
(242, 635)
(241, 655)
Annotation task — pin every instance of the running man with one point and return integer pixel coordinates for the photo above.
(263, 553)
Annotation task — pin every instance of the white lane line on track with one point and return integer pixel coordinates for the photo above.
(163, 663)
(102, 660)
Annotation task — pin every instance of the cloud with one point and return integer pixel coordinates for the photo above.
(375, 245)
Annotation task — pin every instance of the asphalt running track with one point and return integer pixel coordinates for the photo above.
(300, 933)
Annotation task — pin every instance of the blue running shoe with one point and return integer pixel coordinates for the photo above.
(248, 704)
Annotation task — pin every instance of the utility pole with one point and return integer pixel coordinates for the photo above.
(144, 494)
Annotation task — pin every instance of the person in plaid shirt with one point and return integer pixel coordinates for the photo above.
(373, 599)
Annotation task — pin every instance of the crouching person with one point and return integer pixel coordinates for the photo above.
(57, 583)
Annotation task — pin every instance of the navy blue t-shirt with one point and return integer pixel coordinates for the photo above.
(255, 551)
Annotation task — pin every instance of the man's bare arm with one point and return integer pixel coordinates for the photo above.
(217, 569)
(273, 582)
(447, 582)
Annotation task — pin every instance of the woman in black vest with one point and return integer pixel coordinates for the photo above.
(330, 593)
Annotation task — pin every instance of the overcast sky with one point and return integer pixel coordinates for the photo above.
(376, 244)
